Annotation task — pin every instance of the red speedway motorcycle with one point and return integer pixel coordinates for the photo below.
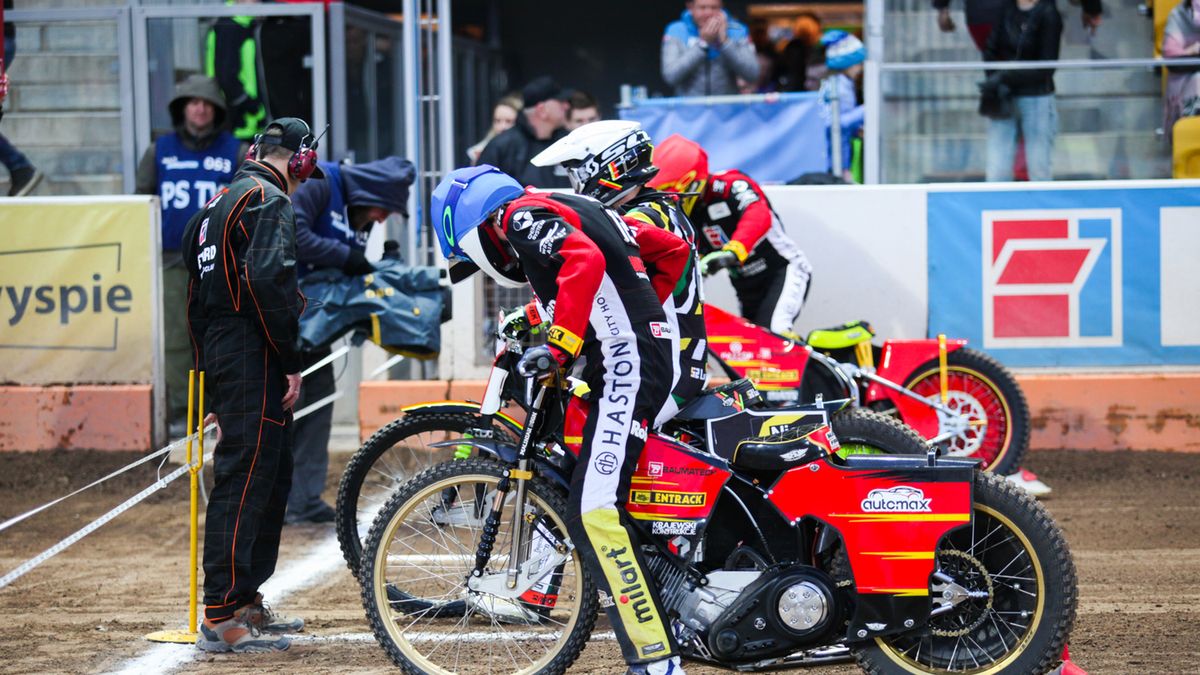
(959, 399)
(766, 554)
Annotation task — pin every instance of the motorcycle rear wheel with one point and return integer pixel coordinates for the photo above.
(420, 552)
(863, 432)
(1015, 553)
(986, 392)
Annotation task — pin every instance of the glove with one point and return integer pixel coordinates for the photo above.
(356, 264)
(516, 322)
(717, 261)
(545, 362)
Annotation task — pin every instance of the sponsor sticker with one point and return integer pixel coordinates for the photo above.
(656, 497)
(718, 211)
(684, 528)
(899, 499)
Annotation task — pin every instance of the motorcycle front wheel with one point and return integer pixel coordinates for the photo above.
(988, 396)
(391, 456)
(1011, 587)
(421, 552)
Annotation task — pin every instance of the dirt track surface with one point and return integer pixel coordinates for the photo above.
(1131, 520)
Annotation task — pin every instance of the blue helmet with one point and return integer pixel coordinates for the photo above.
(459, 205)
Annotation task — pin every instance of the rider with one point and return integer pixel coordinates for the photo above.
(739, 230)
(582, 263)
(610, 161)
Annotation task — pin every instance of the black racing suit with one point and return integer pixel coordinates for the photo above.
(582, 262)
(243, 316)
(686, 304)
(733, 214)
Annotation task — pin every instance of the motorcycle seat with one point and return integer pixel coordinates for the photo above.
(841, 337)
(721, 401)
(778, 452)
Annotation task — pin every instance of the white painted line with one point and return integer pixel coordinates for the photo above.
(318, 564)
(418, 637)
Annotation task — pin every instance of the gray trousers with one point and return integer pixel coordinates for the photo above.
(310, 452)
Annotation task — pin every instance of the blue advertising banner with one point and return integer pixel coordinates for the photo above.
(773, 141)
(1068, 277)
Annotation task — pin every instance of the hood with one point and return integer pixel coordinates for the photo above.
(383, 183)
(197, 86)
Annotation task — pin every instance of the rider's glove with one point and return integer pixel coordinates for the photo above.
(516, 322)
(718, 260)
(545, 362)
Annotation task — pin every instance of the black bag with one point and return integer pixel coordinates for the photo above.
(995, 98)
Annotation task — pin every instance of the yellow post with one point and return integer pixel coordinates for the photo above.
(943, 378)
(189, 635)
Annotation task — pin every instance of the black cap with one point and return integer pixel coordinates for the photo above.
(296, 132)
(541, 89)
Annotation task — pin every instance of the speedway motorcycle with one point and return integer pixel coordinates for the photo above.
(960, 399)
(765, 555)
(427, 433)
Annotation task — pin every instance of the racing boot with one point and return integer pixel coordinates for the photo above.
(669, 666)
(1028, 481)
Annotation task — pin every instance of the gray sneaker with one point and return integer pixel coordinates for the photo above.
(237, 635)
(263, 617)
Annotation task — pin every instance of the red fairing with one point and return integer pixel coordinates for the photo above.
(674, 482)
(772, 361)
(898, 363)
(667, 253)
(890, 523)
(750, 202)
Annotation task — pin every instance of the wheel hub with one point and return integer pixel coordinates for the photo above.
(962, 594)
(965, 423)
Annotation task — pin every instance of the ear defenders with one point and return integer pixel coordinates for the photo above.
(302, 163)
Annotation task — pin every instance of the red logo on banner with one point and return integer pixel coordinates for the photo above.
(1036, 265)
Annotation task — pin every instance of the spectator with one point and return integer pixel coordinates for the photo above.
(1181, 39)
(185, 168)
(982, 15)
(504, 116)
(796, 57)
(705, 52)
(767, 68)
(582, 109)
(844, 56)
(538, 126)
(334, 217)
(22, 175)
(1030, 30)
(231, 56)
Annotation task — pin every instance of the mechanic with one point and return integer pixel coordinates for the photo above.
(244, 317)
(610, 161)
(737, 230)
(334, 217)
(583, 266)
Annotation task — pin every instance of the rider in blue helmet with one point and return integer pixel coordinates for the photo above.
(582, 263)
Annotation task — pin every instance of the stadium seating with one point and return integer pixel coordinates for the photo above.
(1186, 141)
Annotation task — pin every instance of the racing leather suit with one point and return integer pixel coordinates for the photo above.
(685, 307)
(732, 213)
(243, 317)
(583, 265)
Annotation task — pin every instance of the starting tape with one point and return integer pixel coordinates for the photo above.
(124, 506)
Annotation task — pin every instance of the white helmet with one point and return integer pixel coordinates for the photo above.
(605, 160)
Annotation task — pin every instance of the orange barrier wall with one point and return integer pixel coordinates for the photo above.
(101, 417)
(1122, 411)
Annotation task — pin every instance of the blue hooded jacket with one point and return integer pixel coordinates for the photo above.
(323, 234)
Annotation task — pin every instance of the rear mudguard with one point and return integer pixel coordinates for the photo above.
(898, 363)
(503, 452)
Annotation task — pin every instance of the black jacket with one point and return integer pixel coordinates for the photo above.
(512, 149)
(1032, 35)
(240, 253)
(990, 12)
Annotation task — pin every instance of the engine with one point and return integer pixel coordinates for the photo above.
(751, 614)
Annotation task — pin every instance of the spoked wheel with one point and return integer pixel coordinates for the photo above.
(991, 420)
(432, 616)
(1004, 594)
(393, 455)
